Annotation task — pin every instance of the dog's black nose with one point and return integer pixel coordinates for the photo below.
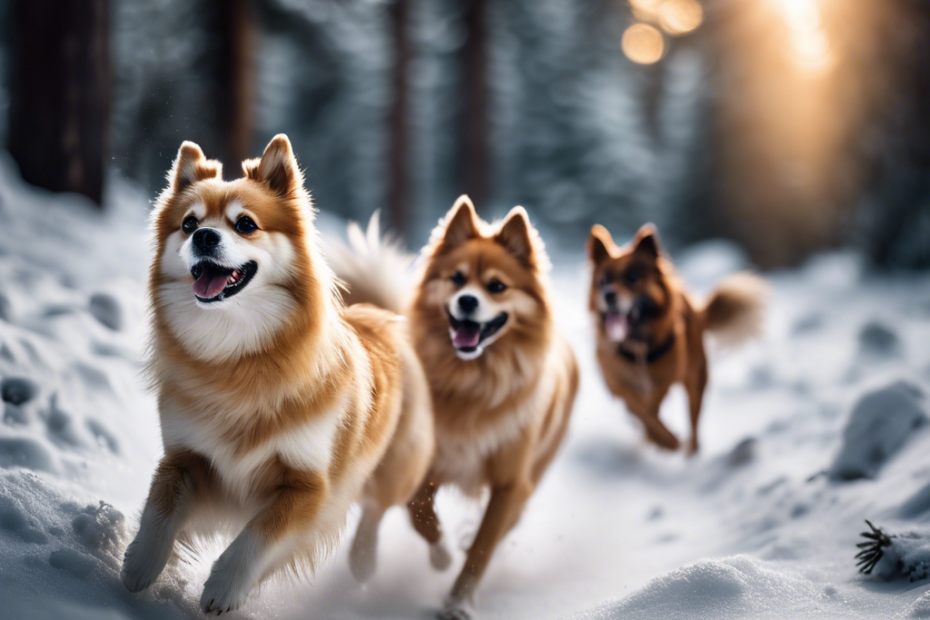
(206, 239)
(610, 298)
(468, 303)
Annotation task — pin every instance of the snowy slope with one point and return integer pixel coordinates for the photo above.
(758, 526)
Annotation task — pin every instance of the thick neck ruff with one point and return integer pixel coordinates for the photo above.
(653, 355)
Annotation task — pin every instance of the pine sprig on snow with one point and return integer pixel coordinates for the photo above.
(872, 549)
(903, 555)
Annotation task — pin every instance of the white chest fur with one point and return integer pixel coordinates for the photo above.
(307, 446)
(460, 459)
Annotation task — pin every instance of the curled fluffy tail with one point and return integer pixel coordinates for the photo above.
(374, 269)
(735, 310)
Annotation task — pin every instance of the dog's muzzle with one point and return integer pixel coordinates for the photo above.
(468, 335)
(213, 282)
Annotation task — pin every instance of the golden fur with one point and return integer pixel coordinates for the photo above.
(665, 343)
(501, 416)
(279, 406)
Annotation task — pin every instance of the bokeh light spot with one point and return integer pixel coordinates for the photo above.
(680, 16)
(643, 44)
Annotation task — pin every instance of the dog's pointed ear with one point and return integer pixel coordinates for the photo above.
(250, 168)
(461, 224)
(599, 244)
(646, 242)
(277, 168)
(191, 166)
(515, 235)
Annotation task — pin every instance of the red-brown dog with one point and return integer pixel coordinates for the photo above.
(650, 332)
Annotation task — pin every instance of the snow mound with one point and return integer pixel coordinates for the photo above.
(706, 263)
(917, 505)
(877, 339)
(33, 511)
(908, 557)
(66, 554)
(106, 309)
(834, 270)
(18, 390)
(881, 423)
(735, 587)
(920, 608)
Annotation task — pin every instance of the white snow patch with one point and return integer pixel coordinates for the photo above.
(736, 587)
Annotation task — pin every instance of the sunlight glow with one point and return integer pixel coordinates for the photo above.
(806, 32)
(643, 44)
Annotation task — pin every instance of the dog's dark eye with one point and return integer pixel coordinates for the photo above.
(631, 276)
(646, 308)
(496, 286)
(245, 225)
(458, 278)
(189, 225)
(605, 279)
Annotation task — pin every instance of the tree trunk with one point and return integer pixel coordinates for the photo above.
(894, 229)
(398, 148)
(60, 94)
(235, 95)
(475, 148)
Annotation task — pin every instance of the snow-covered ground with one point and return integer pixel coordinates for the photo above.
(763, 524)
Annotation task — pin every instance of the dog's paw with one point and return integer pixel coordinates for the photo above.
(143, 562)
(457, 611)
(663, 439)
(363, 559)
(226, 589)
(457, 607)
(439, 555)
(693, 448)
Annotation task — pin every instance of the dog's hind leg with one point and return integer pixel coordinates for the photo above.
(425, 521)
(695, 387)
(363, 557)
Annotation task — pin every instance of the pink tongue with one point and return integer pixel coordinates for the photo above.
(208, 285)
(616, 327)
(466, 337)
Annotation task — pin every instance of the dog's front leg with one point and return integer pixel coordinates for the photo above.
(503, 512)
(266, 541)
(182, 478)
(656, 431)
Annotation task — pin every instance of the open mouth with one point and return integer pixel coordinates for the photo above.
(616, 326)
(468, 335)
(214, 282)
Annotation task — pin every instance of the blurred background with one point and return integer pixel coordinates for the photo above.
(789, 126)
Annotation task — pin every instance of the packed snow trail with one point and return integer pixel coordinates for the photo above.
(763, 524)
